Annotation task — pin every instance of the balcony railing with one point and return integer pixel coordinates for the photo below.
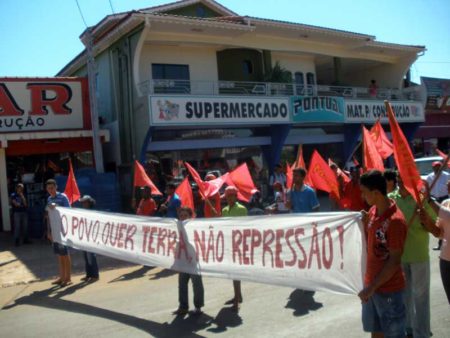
(236, 88)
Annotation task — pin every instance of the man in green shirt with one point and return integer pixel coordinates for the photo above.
(416, 264)
(234, 209)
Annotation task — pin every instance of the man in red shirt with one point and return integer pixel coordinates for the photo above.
(383, 312)
(352, 192)
(147, 205)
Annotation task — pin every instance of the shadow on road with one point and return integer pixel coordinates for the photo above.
(51, 299)
(225, 318)
(163, 274)
(133, 275)
(302, 302)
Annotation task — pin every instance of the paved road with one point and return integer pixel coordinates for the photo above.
(137, 301)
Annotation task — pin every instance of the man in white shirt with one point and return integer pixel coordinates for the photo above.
(439, 190)
(278, 176)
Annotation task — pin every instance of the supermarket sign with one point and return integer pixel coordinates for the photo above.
(43, 104)
(210, 110)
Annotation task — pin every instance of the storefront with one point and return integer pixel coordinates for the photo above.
(434, 133)
(43, 123)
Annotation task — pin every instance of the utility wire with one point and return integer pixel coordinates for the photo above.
(110, 5)
(81, 13)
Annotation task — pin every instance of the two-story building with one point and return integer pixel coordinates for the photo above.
(194, 81)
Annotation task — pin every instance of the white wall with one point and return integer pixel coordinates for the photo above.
(295, 63)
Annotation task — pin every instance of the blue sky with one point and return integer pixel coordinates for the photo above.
(39, 37)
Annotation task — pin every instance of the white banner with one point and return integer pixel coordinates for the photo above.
(210, 110)
(316, 251)
(368, 111)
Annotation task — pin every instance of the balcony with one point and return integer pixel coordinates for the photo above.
(235, 88)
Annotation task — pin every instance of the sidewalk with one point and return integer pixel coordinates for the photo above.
(36, 262)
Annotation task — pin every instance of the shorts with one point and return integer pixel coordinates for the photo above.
(385, 312)
(59, 249)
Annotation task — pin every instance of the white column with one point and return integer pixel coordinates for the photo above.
(4, 198)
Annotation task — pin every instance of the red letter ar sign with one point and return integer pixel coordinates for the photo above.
(40, 98)
(8, 106)
(42, 95)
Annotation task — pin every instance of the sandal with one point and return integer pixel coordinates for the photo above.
(197, 312)
(63, 284)
(57, 282)
(84, 279)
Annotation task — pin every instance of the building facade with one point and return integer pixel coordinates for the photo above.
(194, 81)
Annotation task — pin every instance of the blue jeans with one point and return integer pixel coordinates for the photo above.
(417, 298)
(385, 312)
(197, 284)
(20, 224)
(90, 261)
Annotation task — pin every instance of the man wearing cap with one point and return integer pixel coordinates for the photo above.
(234, 209)
(90, 260)
(212, 204)
(147, 205)
(301, 198)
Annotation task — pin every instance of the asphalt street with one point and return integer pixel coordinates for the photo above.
(137, 301)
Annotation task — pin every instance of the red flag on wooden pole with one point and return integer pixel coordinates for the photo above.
(142, 180)
(299, 162)
(72, 192)
(322, 176)
(184, 191)
(371, 157)
(382, 143)
(289, 175)
(404, 158)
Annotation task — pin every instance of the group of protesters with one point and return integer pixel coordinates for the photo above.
(396, 296)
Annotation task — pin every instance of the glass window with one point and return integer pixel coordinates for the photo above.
(200, 11)
(310, 78)
(299, 78)
(171, 79)
(247, 67)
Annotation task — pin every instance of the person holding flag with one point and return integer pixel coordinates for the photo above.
(212, 206)
(415, 263)
(301, 198)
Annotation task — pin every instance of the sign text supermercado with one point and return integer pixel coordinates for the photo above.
(362, 111)
(317, 251)
(42, 104)
(182, 110)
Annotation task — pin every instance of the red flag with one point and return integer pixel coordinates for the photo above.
(142, 180)
(441, 154)
(371, 157)
(355, 161)
(340, 173)
(382, 143)
(206, 189)
(184, 191)
(289, 175)
(299, 162)
(71, 191)
(242, 180)
(322, 177)
(404, 158)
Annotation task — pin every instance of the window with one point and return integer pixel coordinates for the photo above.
(310, 79)
(200, 11)
(171, 78)
(247, 67)
(299, 83)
